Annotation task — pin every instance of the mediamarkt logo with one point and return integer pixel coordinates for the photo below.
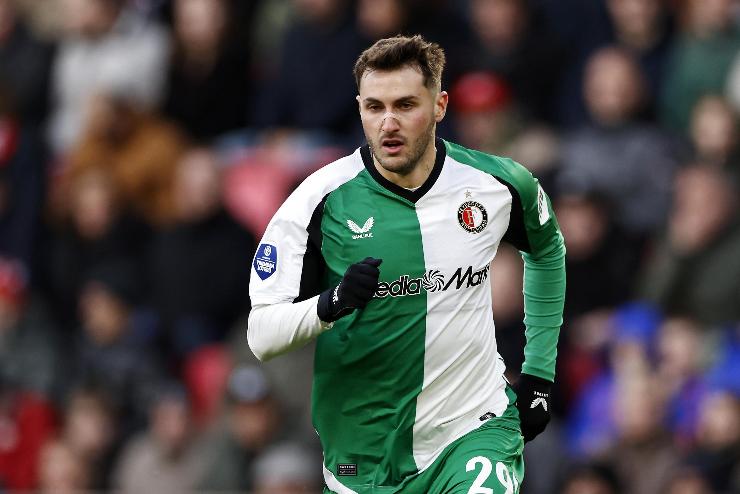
(432, 281)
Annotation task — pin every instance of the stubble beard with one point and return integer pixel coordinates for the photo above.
(417, 151)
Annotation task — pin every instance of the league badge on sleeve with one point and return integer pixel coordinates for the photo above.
(265, 261)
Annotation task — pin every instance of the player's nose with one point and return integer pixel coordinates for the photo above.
(390, 123)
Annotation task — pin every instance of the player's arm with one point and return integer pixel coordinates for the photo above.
(286, 274)
(544, 295)
(275, 329)
(535, 232)
(291, 304)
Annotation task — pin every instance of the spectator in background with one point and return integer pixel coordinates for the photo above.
(287, 469)
(165, 459)
(695, 268)
(701, 60)
(681, 353)
(318, 52)
(250, 425)
(30, 348)
(138, 149)
(641, 438)
(25, 64)
(205, 374)
(714, 134)
(538, 146)
(485, 115)
(62, 470)
(382, 19)
(199, 266)
(290, 385)
(90, 430)
(208, 82)
(622, 343)
(628, 163)
(510, 44)
(717, 455)
(601, 259)
(106, 48)
(92, 227)
(27, 422)
(642, 28)
(22, 178)
(110, 356)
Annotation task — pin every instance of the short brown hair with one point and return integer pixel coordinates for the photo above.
(401, 51)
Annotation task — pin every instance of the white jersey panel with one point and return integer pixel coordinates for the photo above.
(278, 263)
(462, 220)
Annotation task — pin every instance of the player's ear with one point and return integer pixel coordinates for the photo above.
(440, 106)
(359, 105)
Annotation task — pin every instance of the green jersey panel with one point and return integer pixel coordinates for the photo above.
(369, 367)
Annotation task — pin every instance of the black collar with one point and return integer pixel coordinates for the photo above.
(411, 195)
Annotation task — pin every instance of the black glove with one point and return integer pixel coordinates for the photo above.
(354, 291)
(533, 402)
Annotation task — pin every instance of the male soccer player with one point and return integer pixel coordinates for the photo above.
(383, 256)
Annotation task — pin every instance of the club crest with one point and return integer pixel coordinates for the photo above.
(472, 216)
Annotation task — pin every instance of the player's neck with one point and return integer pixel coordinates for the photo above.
(418, 175)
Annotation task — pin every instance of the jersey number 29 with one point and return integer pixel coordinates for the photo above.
(507, 479)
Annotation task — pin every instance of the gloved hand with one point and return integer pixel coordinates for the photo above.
(356, 289)
(533, 402)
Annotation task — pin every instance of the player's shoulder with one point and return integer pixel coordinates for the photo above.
(503, 168)
(334, 174)
(312, 190)
(500, 166)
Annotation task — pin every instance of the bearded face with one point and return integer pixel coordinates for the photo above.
(399, 116)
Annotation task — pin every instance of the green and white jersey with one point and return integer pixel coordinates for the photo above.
(418, 368)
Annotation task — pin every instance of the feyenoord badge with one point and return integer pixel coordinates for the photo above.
(472, 216)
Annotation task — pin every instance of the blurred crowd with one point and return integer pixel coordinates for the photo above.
(144, 145)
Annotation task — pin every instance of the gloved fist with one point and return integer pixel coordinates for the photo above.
(533, 402)
(356, 289)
